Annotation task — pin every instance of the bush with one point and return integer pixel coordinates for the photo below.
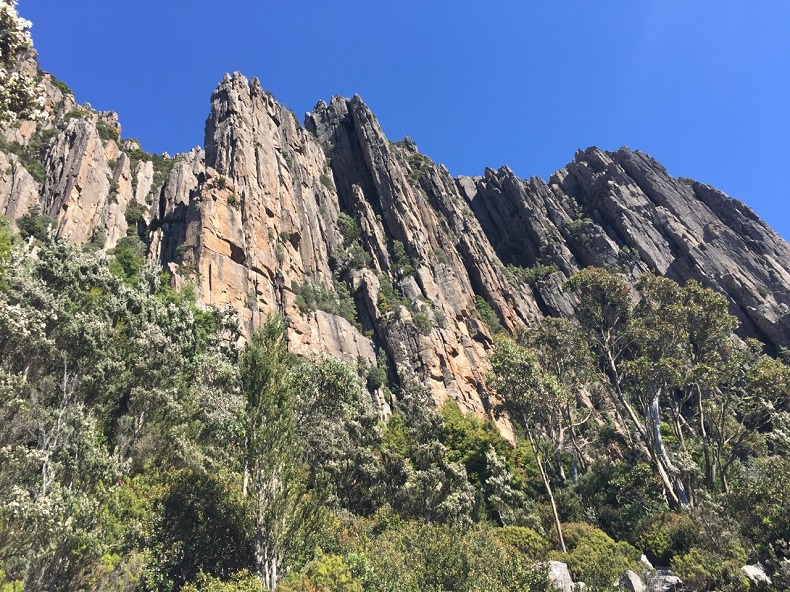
(325, 573)
(487, 315)
(665, 536)
(594, 558)
(349, 229)
(63, 87)
(29, 156)
(702, 569)
(106, 131)
(528, 275)
(422, 321)
(134, 215)
(128, 261)
(326, 181)
(525, 540)
(310, 297)
(403, 263)
(243, 581)
(36, 224)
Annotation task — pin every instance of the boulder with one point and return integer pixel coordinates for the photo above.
(561, 577)
(757, 576)
(632, 582)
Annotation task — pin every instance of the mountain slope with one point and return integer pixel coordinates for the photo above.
(374, 253)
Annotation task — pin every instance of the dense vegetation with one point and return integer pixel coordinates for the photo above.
(144, 448)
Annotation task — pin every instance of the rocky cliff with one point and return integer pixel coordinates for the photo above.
(373, 252)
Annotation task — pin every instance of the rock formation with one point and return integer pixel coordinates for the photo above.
(374, 253)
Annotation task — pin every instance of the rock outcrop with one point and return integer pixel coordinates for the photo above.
(374, 253)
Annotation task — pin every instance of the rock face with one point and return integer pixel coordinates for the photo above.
(374, 253)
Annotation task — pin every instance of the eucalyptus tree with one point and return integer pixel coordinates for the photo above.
(528, 395)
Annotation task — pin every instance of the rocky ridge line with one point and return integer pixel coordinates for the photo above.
(401, 253)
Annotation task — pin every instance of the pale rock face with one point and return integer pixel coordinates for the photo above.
(265, 219)
(257, 214)
(18, 190)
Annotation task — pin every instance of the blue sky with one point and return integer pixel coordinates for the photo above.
(702, 86)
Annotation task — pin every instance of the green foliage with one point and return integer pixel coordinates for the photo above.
(36, 224)
(128, 259)
(422, 321)
(21, 97)
(162, 166)
(311, 297)
(63, 87)
(134, 215)
(594, 558)
(760, 500)
(352, 254)
(326, 181)
(666, 535)
(106, 131)
(625, 494)
(74, 511)
(349, 229)
(528, 276)
(488, 315)
(389, 298)
(201, 526)
(468, 439)
(404, 265)
(418, 163)
(411, 556)
(525, 540)
(6, 244)
(325, 573)
(30, 155)
(242, 581)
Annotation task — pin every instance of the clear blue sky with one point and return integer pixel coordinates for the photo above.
(702, 86)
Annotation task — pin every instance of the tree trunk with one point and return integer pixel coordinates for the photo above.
(543, 474)
(662, 456)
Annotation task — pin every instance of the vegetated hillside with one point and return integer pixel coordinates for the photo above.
(159, 433)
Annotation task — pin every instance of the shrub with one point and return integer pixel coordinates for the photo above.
(311, 297)
(326, 181)
(423, 322)
(524, 539)
(528, 275)
(128, 262)
(403, 263)
(665, 536)
(63, 87)
(35, 224)
(487, 315)
(594, 558)
(349, 229)
(134, 215)
(106, 131)
(30, 155)
(327, 573)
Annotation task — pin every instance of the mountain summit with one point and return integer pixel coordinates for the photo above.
(373, 252)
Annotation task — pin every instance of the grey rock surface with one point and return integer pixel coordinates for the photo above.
(560, 577)
(631, 581)
(757, 576)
